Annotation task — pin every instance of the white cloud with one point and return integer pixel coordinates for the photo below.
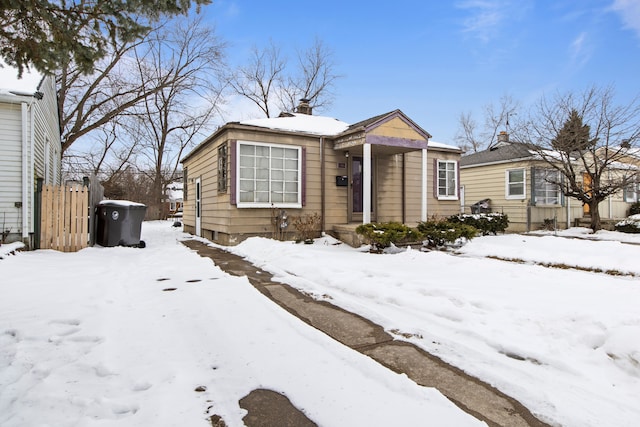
(629, 11)
(580, 50)
(485, 19)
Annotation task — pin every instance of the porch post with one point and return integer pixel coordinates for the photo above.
(423, 213)
(366, 184)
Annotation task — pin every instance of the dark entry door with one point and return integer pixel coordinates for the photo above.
(357, 189)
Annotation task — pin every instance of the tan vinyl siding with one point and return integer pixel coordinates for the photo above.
(397, 128)
(335, 197)
(389, 188)
(489, 181)
(218, 214)
(441, 208)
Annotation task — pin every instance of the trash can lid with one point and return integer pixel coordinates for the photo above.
(123, 203)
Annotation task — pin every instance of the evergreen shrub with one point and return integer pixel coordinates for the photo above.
(630, 224)
(438, 233)
(485, 223)
(382, 235)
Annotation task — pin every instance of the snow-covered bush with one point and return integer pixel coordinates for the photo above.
(382, 235)
(630, 224)
(438, 234)
(485, 223)
(634, 209)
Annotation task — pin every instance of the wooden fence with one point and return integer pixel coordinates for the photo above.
(64, 217)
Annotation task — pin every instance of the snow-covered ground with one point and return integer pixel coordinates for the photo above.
(97, 338)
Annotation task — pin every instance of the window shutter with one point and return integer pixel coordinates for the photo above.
(185, 184)
(303, 177)
(458, 185)
(435, 178)
(232, 168)
(561, 186)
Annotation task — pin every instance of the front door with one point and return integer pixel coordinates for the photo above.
(356, 193)
(198, 207)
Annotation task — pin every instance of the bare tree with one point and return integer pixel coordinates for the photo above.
(313, 80)
(170, 120)
(467, 136)
(496, 118)
(261, 77)
(268, 80)
(587, 138)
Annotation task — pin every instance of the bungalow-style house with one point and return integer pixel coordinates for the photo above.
(248, 176)
(30, 148)
(173, 201)
(514, 180)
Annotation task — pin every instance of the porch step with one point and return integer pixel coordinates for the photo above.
(347, 233)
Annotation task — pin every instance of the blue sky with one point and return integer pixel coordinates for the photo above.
(437, 59)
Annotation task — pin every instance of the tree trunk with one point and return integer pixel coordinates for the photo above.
(595, 215)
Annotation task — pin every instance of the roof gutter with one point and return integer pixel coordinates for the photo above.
(498, 162)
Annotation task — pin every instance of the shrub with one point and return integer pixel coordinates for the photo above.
(634, 209)
(382, 235)
(307, 227)
(442, 233)
(629, 225)
(486, 223)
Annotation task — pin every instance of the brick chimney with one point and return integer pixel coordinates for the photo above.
(304, 107)
(503, 137)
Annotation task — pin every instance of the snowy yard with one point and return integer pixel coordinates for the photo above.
(98, 338)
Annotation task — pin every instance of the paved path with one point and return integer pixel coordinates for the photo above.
(268, 409)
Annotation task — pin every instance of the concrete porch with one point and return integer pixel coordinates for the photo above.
(347, 233)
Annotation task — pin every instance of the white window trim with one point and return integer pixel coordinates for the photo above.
(524, 185)
(559, 198)
(626, 193)
(297, 204)
(455, 176)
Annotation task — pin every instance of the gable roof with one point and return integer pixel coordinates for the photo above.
(373, 122)
(502, 153)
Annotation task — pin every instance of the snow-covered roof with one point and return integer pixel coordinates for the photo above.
(11, 84)
(295, 122)
(175, 191)
(434, 144)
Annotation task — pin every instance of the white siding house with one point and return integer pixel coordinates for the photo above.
(30, 148)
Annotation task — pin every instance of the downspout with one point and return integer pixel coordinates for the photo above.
(423, 196)
(322, 186)
(32, 169)
(25, 174)
(610, 197)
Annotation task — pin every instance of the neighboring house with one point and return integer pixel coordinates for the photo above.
(174, 199)
(249, 173)
(516, 182)
(30, 148)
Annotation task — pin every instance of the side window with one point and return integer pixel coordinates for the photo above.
(447, 179)
(631, 193)
(546, 188)
(515, 184)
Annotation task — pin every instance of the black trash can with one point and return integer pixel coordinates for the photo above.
(119, 223)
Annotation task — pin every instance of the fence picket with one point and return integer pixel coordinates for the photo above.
(64, 223)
